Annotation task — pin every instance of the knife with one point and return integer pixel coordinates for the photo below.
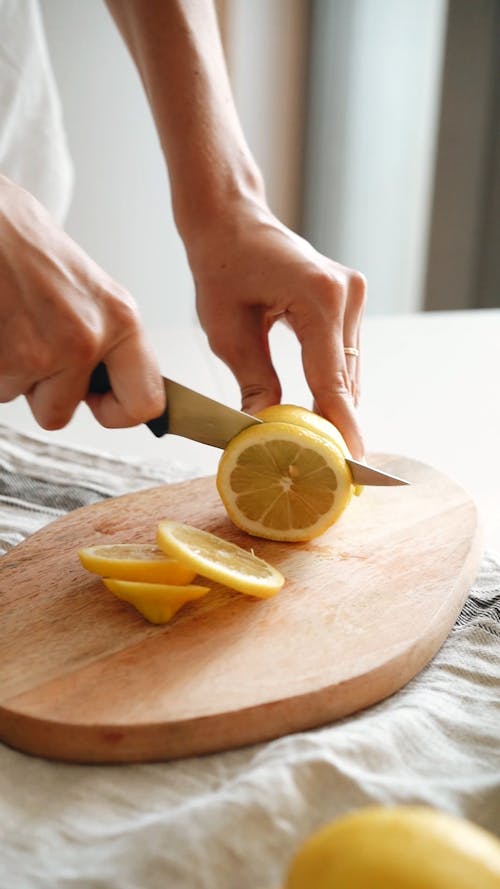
(194, 416)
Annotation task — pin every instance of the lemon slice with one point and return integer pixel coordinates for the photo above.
(157, 602)
(134, 561)
(292, 413)
(283, 481)
(219, 559)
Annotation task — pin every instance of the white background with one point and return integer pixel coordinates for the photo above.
(372, 111)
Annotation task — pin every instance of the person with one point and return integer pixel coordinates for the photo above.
(61, 314)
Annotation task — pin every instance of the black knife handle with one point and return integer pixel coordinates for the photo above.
(100, 383)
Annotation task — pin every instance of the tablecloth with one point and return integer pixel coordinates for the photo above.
(233, 820)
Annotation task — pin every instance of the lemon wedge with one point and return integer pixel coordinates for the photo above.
(157, 602)
(283, 481)
(222, 561)
(134, 561)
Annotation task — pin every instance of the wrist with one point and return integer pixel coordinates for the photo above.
(206, 202)
(216, 238)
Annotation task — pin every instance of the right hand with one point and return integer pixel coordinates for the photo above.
(60, 315)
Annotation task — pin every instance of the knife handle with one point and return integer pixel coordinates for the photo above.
(100, 383)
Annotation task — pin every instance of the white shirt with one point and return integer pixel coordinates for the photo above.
(33, 148)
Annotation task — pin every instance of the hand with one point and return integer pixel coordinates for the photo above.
(60, 315)
(251, 271)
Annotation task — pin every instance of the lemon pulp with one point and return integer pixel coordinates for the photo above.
(218, 559)
(282, 481)
(300, 416)
(134, 561)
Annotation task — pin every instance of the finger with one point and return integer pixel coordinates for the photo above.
(241, 341)
(11, 386)
(352, 354)
(352, 330)
(54, 399)
(137, 392)
(325, 369)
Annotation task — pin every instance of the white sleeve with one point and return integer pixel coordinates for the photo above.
(33, 148)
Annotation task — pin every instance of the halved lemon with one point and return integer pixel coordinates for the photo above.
(218, 559)
(134, 561)
(157, 602)
(292, 413)
(283, 481)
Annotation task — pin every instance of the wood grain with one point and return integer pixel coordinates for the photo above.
(84, 678)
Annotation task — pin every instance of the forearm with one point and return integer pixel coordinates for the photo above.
(177, 50)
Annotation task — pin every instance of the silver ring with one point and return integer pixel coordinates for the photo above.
(351, 350)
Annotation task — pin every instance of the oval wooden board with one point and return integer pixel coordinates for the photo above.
(85, 678)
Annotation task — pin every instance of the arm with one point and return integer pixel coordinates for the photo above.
(249, 269)
(60, 314)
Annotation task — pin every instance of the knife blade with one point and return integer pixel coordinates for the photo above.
(193, 415)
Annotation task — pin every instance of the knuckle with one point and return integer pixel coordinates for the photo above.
(252, 393)
(222, 345)
(328, 287)
(338, 386)
(83, 346)
(152, 404)
(146, 403)
(357, 288)
(9, 390)
(36, 361)
(123, 310)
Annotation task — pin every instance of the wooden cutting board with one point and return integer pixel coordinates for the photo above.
(84, 678)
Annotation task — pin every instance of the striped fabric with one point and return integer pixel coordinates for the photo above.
(234, 819)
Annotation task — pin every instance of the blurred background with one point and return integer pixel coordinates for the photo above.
(376, 124)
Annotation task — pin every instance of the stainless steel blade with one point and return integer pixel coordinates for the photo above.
(203, 419)
(367, 475)
(195, 416)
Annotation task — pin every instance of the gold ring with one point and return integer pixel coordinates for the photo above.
(351, 350)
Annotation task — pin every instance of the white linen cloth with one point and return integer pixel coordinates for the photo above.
(33, 148)
(233, 820)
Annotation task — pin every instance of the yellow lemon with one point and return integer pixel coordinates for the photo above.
(292, 413)
(218, 559)
(134, 561)
(157, 602)
(283, 481)
(401, 847)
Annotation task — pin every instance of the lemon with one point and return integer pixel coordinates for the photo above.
(300, 416)
(401, 847)
(218, 559)
(134, 561)
(283, 481)
(157, 602)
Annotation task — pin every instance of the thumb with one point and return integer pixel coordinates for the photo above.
(241, 342)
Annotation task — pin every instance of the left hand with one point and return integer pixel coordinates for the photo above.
(250, 270)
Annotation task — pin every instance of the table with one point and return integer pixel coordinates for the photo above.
(430, 391)
(233, 820)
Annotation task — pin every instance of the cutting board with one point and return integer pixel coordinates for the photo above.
(83, 677)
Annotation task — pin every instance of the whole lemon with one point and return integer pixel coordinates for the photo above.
(401, 847)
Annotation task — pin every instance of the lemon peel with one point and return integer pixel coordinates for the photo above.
(157, 602)
(400, 846)
(301, 416)
(134, 561)
(219, 560)
(282, 481)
